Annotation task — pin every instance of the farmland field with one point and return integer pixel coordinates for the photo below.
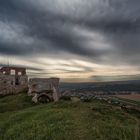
(135, 97)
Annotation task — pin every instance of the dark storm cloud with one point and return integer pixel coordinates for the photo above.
(51, 30)
(45, 27)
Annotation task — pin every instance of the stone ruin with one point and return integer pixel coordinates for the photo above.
(13, 80)
(44, 89)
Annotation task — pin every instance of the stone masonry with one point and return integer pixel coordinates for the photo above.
(12, 83)
(41, 88)
(14, 80)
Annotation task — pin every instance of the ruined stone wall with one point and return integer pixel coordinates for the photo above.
(43, 83)
(8, 84)
(38, 85)
(12, 84)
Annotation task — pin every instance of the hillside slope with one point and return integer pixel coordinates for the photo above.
(66, 120)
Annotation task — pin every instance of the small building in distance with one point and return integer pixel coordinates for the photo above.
(13, 80)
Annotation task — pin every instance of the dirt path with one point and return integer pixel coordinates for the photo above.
(80, 127)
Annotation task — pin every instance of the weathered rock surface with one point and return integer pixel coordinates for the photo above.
(44, 89)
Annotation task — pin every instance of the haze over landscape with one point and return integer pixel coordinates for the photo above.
(76, 40)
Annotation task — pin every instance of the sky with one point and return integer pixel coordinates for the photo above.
(76, 40)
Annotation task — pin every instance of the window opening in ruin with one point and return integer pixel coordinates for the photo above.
(19, 73)
(4, 72)
(17, 80)
(12, 82)
(13, 72)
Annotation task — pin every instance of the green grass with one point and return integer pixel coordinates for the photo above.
(65, 120)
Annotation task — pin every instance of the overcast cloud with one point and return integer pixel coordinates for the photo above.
(99, 33)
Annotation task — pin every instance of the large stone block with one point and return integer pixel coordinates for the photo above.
(48, 87)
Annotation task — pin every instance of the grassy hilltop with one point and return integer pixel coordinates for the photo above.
(65, 120)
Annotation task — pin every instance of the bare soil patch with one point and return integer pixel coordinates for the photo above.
(135, 97)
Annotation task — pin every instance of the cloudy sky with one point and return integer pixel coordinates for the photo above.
(76, 40)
